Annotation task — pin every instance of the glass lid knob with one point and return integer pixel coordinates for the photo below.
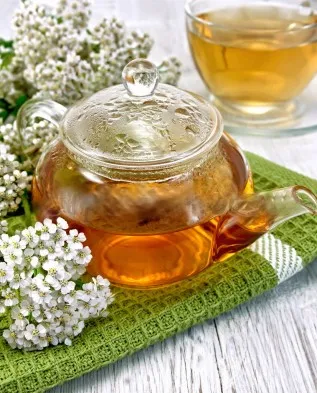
(140, 78)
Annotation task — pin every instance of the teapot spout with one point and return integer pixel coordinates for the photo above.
(253, 215)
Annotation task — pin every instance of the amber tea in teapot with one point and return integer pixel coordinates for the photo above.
(146, 172)
(150, 257)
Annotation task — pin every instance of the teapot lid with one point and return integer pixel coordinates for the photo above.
(141, 122)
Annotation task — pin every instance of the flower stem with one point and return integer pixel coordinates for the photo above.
(29, 218)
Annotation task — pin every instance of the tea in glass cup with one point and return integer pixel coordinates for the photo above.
(254, 57)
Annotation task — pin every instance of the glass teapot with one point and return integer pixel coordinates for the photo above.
(146, 172)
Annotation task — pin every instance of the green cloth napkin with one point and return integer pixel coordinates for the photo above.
(141, 318)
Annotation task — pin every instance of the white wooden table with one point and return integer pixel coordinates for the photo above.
(268, 345)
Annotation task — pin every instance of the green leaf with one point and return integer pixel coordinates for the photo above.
(6, 43)
(6, 59)
(21, 100)
(16, 223)
(95, 48)
(29, 217)
(4, 104)
(4, 114)
(84, 279)
(18, 103)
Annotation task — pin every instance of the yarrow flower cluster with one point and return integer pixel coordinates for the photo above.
(56, 55)
(9, 136)
(35, 138)
(39, 286)
(13, 181)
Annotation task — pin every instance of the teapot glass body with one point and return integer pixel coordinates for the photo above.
(145, 233)
(146, 172)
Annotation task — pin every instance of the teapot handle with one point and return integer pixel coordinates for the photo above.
(44, 109)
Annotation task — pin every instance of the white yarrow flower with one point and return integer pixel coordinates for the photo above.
(61, 223)
(6, 273)
(83, 256)
(9, 297)
(38, 273)
(75, 239)
(30, 236)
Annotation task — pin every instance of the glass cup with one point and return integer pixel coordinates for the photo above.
(255, 57)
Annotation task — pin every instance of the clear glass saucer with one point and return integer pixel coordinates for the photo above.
(304, 121)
